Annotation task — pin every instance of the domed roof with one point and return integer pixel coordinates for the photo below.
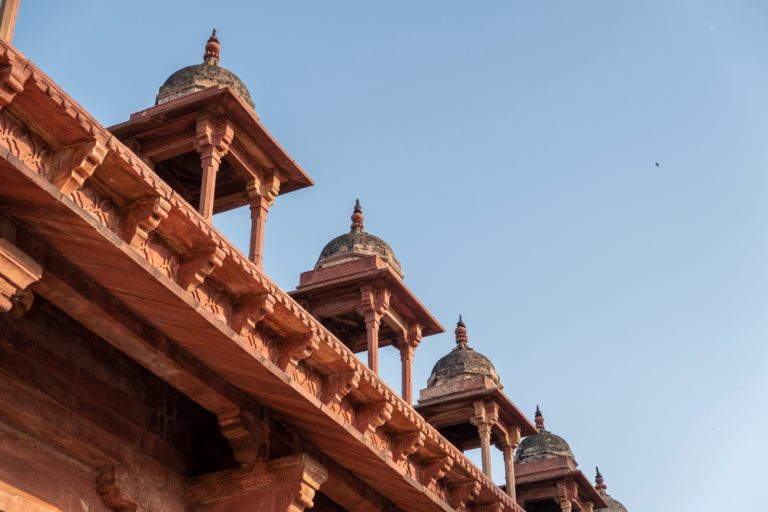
(613, 504)
(357, 244)
(462, 363)
(544, 445)
(202, 76)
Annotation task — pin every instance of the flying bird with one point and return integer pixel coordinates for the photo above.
(657, 164)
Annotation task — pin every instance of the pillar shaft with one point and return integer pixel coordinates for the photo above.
(509, 471)
(210, 167)
(259, 209)
(8, 11)
(372, 324)
(485, 448)
(406, 359)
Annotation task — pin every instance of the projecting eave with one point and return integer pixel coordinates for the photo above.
(250, 133)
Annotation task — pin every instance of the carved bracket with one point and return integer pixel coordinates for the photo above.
(111, 494)
(142, 218)
(248, 437)
(488, 507)
(463, 493)
(407, 444)
(296, 348)
(213, 137)
(339, 385)
(196, 267)
(250, 310)
(13, 76)
(371, 416)
(17, 272)
(73, 165)
(374, 302)
(433, 470)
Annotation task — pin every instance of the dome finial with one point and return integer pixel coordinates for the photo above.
(212, 49)
(599, 482)
(357, 216)
(539, 420)
(461, 333)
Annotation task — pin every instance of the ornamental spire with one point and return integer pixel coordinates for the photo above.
(539, 420)
(461, 333)
(599, 482)
(357, 216)
(212, 49)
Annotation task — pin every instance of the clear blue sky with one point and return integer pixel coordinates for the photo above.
(506, 151)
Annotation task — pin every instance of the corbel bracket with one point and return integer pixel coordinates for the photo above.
(247, 436)
(407, 444)
(434, 469)
(339, 385)
(195, 267)
(17, 272)
(463, 493)
(13, 77)
(250, 310)
(108, 487)
(371, 416)
(295, 349)
(73, 165)
(143, 217)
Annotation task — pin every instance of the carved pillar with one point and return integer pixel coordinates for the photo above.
(509, 442)
(8, 11)
(17, 272)
(486, 416)
(286, 484)
(587, 506)
(213, 140)
(407, 348)
(261, 195)
(374, 304)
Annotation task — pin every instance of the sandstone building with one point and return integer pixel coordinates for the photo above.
(146, 364)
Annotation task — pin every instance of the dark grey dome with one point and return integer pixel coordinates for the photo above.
(202, 76)
(356, 244)
(462, 363)
(613, 505)
(542, 446)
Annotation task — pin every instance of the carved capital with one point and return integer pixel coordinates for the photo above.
(17, 272)
(407, 444)
(73, 165)
(213, 137)
(195, 267)
(13, 76)
(371, 416)
(248, 311)
(433, 470)
(373, 302)
(339, 385)
(295, 349)
(463, 493)
(413, 335)
(486, 415)
(264, 189)
(247, 436)
(143, 217)
(112, 495)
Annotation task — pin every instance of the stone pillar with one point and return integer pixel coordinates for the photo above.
(486, 416)
(8, 11)
(374, 304)
(261, 194)
(407, 348)
(287, 484)
(510, 441)
(587, 506)
(213, 140)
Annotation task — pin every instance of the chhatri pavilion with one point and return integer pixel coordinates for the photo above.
(147, 364)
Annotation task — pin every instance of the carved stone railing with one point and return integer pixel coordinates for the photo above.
(84, 161)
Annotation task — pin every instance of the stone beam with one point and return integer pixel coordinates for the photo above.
(17, 272)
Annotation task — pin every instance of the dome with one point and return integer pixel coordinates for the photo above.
(202, 76)
(357, 244)
(462, 363)
(542, 446)
(613, 505)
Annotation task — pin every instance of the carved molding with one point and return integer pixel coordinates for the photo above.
(339, 385)
(373, 302)
(248, 311)
(19, 140)
(195, 267)
(143, 217)
(17, 272)
(72, 166)
(463, 493)
(433, 470)
(407, 444)
(213, 137)
(111, 494)
(247, 436)
(294, 349)
(371, 416)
